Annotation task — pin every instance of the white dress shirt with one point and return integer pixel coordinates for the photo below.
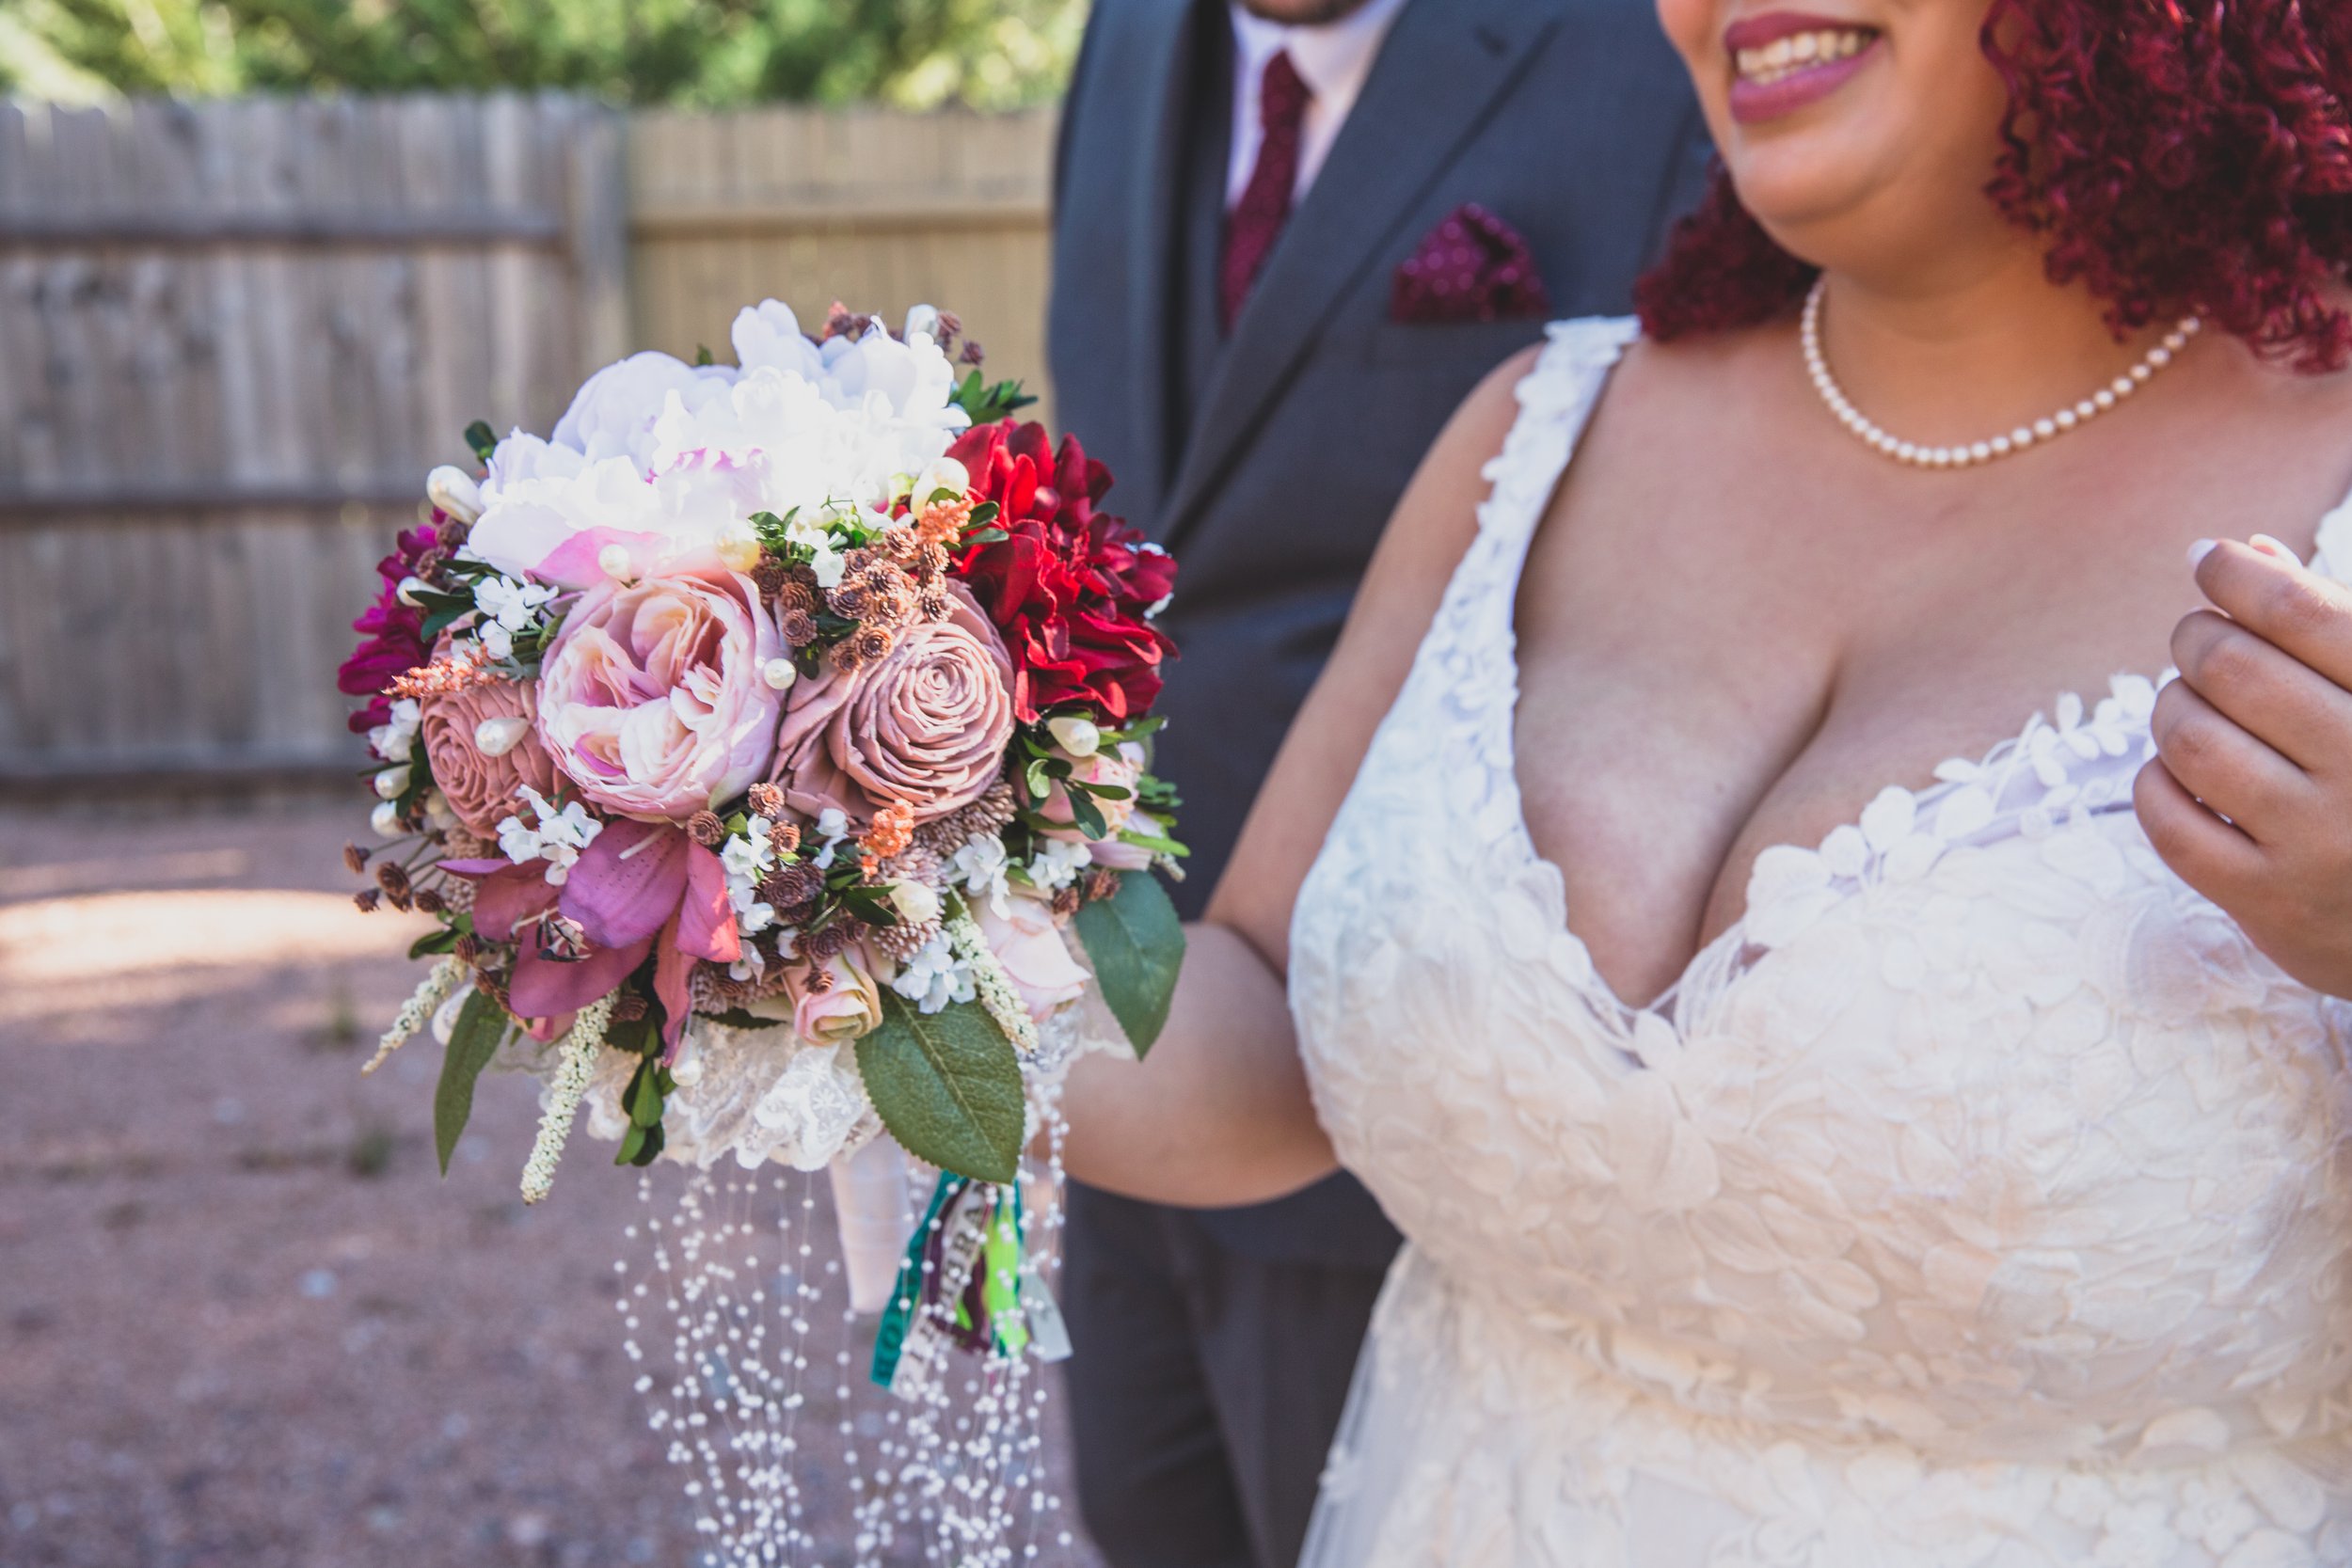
(1333, 60)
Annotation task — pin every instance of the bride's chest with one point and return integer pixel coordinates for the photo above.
(1667, 732)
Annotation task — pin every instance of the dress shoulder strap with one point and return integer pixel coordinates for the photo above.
(1556, 399)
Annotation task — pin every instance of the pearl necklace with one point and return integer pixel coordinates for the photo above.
(2016, 440)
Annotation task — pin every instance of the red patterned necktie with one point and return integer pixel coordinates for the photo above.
(1252, 226)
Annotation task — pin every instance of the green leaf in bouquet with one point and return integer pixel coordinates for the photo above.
(482, 438)
(948, 1085)
(1136, 944)
(643, 1099)
(1086, 814)
(986, 537)
(481, 1027)
(1159, 844)
(439, 622)
(441, 940)
(983, 514)
(702, 356)
(639, 1145)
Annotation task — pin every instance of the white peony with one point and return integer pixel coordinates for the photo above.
(613, 413)
(657, 463)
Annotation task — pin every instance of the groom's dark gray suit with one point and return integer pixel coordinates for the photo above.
(1215, 1348)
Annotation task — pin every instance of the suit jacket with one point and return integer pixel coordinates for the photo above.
(1271, 464)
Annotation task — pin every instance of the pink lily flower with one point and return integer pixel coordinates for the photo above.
(640, 888)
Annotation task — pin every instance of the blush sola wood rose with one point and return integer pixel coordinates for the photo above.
(771, 744)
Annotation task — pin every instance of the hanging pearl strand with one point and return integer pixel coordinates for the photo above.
(1969, 454)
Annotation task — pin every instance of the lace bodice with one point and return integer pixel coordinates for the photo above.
(1981, 1198)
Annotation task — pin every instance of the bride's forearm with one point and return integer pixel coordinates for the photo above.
(1218, 1113)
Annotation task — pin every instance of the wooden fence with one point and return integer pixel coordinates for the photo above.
(233, 336)
(879, 210)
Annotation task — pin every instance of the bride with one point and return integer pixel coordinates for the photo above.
(1837, 1121)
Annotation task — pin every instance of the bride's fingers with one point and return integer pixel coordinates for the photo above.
(2297, 711)
(2295, 610)
(2219, 762)
(2207, 853)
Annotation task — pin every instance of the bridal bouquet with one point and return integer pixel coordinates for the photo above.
(771, 744)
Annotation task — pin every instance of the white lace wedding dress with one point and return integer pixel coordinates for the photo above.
(1982, 1199)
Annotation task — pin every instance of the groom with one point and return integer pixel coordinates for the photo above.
(1291, 236)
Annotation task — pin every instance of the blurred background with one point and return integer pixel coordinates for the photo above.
(261, 263)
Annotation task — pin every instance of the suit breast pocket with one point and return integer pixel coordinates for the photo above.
(1454, 345)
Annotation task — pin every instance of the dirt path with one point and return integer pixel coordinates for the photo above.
(242, 1322)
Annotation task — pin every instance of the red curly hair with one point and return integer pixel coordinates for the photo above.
(2176, 155)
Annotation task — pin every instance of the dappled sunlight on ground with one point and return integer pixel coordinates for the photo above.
(243, 1323)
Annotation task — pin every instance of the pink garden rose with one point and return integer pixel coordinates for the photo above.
(482, 787)
(652, 698)
(1029, 943)
(927, 725)
(848, 1010)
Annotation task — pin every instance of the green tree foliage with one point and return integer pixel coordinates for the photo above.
(917, 54)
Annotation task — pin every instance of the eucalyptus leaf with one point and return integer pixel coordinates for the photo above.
(482, 438)
(482, 1026)
(948, 1085)
(1136, 944)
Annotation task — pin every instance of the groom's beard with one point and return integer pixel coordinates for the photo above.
(1303, 13)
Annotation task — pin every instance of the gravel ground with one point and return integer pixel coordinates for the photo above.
(242, 1322)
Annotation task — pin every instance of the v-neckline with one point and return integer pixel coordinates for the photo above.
(1663, 1006)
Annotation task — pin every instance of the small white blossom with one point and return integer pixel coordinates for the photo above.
(748, 858)
(506, 603)
(396, 738)
(393, 782)
(833, 825)
(557, 838)
(934, 978)
(979, 866)
(385, 820)
(1058, 862)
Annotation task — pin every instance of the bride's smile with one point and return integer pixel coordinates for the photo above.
(1785, 61)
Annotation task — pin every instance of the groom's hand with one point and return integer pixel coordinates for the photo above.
(2249, 798)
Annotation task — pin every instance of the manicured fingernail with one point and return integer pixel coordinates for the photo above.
(2268, 546)
(2200, 549)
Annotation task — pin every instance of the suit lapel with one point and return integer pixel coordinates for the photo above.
(1398, 139)
(1165, 105)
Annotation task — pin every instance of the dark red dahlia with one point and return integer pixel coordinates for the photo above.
(392, 634)
(1071, 586)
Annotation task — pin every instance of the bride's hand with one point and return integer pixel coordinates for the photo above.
(2250, 796)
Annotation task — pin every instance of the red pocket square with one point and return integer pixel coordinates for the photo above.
(1474, 267)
